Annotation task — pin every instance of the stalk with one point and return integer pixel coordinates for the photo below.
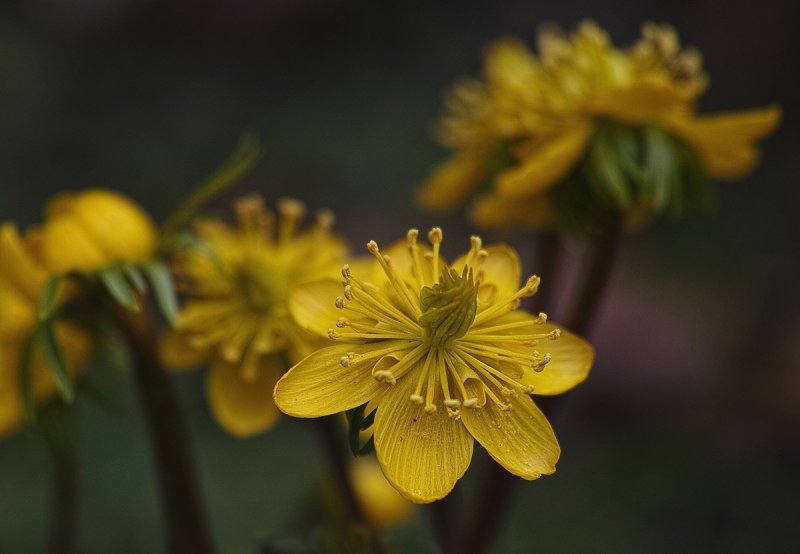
(64, 500)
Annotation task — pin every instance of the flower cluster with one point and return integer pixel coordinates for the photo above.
(585, 122)
(443, 356)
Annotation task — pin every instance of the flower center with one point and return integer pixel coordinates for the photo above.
(448, 307)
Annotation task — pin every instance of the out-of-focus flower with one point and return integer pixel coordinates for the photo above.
(383, 506)
(90, 230)
(237, 281)
(586, 119)
(21, 281)
(444, 356)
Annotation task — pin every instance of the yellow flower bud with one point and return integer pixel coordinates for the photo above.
(89, 230)
(382, 504)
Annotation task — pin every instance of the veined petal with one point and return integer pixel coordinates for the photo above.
(244, 407)
(312, 305)
(546, 164)
(453, 181)
(572, 358)
(320, 385)
(494, 212)
(520, 438)
(422, 455)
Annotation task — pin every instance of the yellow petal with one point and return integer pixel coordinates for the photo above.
(422, 455)
(501, 271)
(67, 247)
(175, 352)
(17, 315)
(546, 164)
(320, 385)
(572, 358)
(726, 142)
(17, 264)
(493, 212)
(520, 438)
(639, 102)
(244, 407)
(313, 307)
(453, 181)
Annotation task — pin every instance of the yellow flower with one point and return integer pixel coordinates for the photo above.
(89, 230)
(237, 282)
(21, 282)
(532, 120)
(383, 507)
(444, 355)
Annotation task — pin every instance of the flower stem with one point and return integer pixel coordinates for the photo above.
(497, 486)
(63, 508)
(187, 527)
(445, 516)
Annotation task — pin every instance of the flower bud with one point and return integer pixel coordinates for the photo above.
(382, 504)
(89, 230)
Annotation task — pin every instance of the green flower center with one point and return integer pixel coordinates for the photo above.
(448, 307)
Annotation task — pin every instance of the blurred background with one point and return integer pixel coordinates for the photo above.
(687, 434)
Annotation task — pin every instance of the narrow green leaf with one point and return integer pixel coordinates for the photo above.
(26, 382)
(46, 338)
(243, 160)
(119, 288)
(135, 277)
(47, 300)
(357, 423)
(163, 290)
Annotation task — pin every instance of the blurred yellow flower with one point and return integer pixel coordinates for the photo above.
(443, 354)
(21, 281)
(533, 120)
(89, 230)
(237, 281)
(382, 505)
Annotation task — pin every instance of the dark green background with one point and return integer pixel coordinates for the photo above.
(686, 437)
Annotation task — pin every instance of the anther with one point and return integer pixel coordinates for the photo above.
(542, 318)
(428, 255)
(345, 361)
(532, 285)
(339, 302)
(529, 389)
(554, 334)
(482, 255)
(341, 322)
(430, 408)
(416, 399)
(346, 272)
(290, 207)
(452, 403)
(435, 235)
(348, 292)
(325, 219)
(412, 235)
(372, 246)
(385, 376)
(476, 242)
(470, 402)
(332, 334)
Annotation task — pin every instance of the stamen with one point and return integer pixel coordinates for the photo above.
(435, 236)
(325, 219)
(413, 250)
(402, 290)
(291, 212)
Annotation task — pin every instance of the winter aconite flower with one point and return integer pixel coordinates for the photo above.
(586, 126)
(22, 278)
(444, 355)
(237, 281)
(93, 229)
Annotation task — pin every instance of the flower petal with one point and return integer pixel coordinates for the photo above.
(313, 305)
(572, 358)
(453, 181)
(422, 455)
(17, 264)
(175, 352)
(244, 407)
(546, 164)
(320, 385)
(493, 212)
(501, 270)
(11, 408)
(520, 438)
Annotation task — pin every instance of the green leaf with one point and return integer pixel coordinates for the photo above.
(119, 288)
(46, 338)
(357, 423)
(243, 160)
(47, 300)
(661, 167)
(164, 290)
(26, 383)
(135, 277)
